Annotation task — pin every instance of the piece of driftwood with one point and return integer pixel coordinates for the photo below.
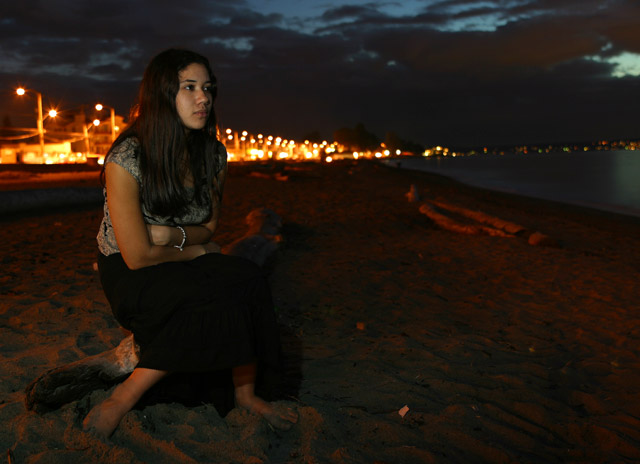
(451, 224)
(540, 239)
(440, 213)
(413, 195)
(270, 175)
(72, 381)
(262, 237)
(482, 218)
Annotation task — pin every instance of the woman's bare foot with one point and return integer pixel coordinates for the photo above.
(279, 416)
(104, 418)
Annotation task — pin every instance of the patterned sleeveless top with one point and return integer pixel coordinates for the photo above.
(125, 154)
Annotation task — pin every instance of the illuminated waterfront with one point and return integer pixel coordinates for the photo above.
(607, 180)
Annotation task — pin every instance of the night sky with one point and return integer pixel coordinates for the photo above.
(453, 72)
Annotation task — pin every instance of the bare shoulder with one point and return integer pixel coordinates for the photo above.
(119, 179)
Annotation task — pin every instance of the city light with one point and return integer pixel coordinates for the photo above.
(241, 145)
(21, 91)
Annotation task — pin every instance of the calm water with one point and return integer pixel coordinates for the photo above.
(606, 180)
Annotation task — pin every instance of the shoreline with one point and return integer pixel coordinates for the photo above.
(501, 351)
(79, 185)
(494, 179)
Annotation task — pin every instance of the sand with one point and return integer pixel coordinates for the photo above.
(501, 351)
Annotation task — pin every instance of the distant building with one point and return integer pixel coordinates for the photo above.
(87, 137)
(71, 137)
(29, 153)
(101, 138)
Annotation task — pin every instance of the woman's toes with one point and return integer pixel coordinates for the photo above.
(281, 417)
(103, 419)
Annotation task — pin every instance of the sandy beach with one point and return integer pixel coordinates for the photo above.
(502, 352)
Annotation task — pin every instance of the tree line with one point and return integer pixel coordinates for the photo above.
(358, 138)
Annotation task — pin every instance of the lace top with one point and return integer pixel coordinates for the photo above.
(125, 154)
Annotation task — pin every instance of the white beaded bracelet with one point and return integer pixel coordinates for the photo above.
(184, 239)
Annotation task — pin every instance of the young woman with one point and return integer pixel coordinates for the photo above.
(190, 308)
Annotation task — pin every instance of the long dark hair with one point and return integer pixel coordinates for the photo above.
(166, 149)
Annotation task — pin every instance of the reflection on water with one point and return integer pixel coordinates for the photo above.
(627, 177)
(607, 180)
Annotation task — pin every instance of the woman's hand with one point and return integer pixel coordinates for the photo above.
(159, 235)
(211, 247)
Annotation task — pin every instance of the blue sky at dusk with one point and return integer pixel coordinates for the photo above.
(453, 72)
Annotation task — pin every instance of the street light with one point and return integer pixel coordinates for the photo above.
(85, 131)
(20, 91)
(99, 107)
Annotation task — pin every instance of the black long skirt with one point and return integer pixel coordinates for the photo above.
(199, 317)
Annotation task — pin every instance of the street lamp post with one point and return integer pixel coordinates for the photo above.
(85, 130)
(21, 92)
(113, 120)
(40, 124)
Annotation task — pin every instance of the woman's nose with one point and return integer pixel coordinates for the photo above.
(202, 97)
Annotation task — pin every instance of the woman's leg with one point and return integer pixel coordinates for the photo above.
(104, 418)
(244, 379)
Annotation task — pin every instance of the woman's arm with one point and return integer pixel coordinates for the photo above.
(131, 232)
(216, 195)
(196, 234)
(172, 235)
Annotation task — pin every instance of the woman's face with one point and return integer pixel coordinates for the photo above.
(194, 98)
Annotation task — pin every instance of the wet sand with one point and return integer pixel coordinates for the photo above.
(502, 351)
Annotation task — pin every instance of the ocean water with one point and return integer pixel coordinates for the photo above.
(605, 180)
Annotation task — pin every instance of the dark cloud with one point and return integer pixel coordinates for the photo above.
(456, 72)
(350, 12)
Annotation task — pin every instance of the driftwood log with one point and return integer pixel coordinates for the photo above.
(445, 215)
(413, 195)
(483, 218)
(72, 381)
(443, 219)
(262, 237)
